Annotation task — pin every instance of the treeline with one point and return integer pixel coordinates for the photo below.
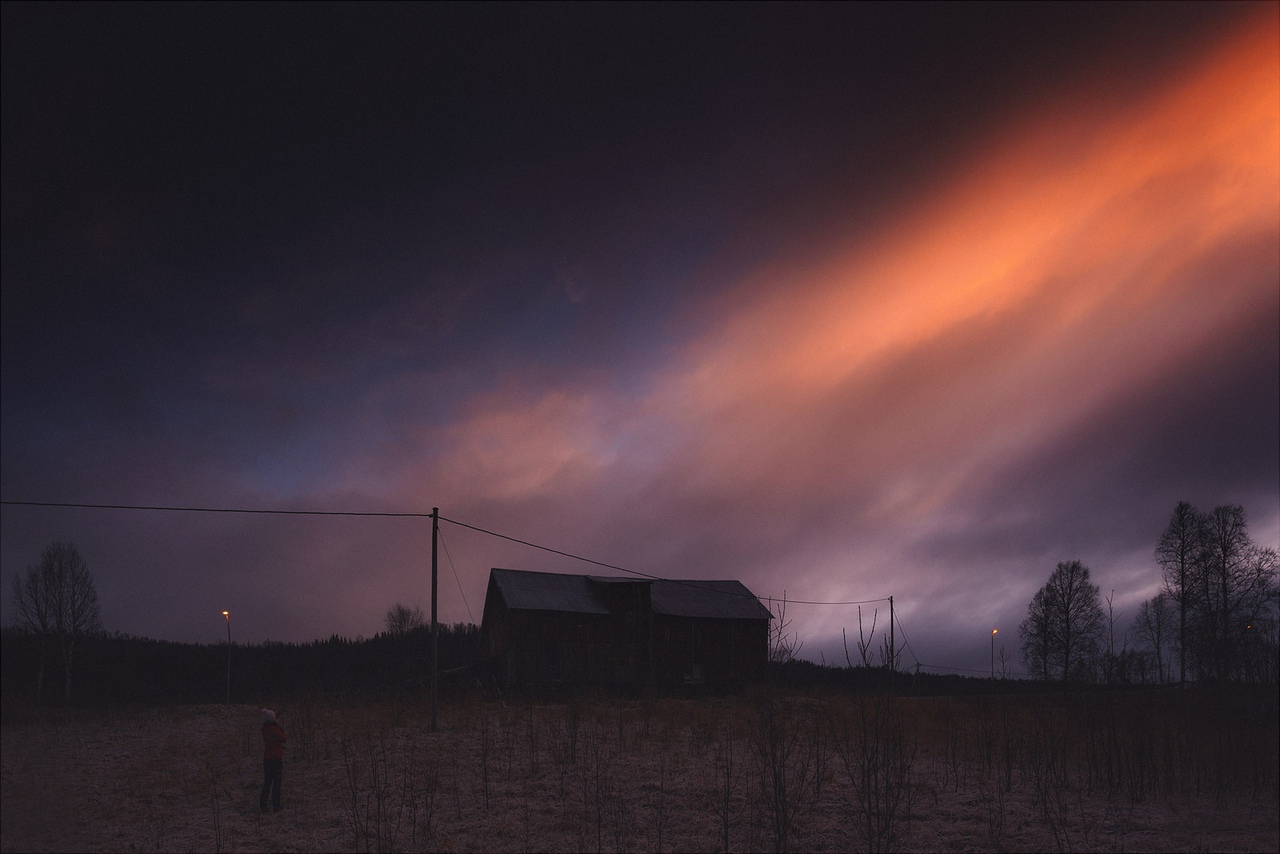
(1217, 614)
(1216, 618)
(800, 675)
(124, 669)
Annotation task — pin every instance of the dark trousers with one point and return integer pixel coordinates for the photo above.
(272, 776)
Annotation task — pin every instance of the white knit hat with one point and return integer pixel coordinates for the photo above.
(268, 715)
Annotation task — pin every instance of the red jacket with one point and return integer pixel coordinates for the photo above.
(273, 739)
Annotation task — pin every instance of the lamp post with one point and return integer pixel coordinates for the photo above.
(993, 652)
(227, 616)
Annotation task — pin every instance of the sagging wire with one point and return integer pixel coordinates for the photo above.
(456, 580)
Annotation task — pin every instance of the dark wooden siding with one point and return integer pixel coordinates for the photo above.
(550, 647)
(629, 646)
(704, 651)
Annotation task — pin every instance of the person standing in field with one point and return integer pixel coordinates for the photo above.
(273, 739)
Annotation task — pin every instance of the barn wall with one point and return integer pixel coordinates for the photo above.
(549, 648)
(708, 651)
(628, 647)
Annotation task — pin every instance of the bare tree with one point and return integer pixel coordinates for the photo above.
(784, 644)
(1064, 624)
(1155, 626)
(864, 641)
(1233, 584)
(1220, 581)
(1179, 551)
(58, 597)
(1260, 651)
(1036, 634)
(1116, 666)
(34, 615)
(401, 619)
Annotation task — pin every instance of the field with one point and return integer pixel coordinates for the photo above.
(757, 772)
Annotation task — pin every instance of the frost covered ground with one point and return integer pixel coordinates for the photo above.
(825, 774)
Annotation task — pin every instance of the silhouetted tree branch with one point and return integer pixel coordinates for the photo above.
(401, 619)
(1064, 624)
(57, 596)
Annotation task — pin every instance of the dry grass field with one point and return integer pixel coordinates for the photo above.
(748, 773)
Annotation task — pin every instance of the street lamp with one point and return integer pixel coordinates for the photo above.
(227, 616)
(993, 652)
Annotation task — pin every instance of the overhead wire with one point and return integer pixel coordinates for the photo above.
(572, 556)
(418, 515)
(553, 551)
(456, 580)
(413, 515)
(175, 509)
(906, 641)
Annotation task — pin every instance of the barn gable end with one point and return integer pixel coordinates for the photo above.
(543, 628)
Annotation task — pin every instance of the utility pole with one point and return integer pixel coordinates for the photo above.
(435, 626)
(892, 646)
(227, 616)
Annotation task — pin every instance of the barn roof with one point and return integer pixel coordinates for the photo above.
(580, 594)
(547, 591)
(712, 599)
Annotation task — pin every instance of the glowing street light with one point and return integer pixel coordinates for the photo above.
(993, 652)
(227, 616)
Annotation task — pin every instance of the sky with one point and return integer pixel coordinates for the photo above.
(843, 301)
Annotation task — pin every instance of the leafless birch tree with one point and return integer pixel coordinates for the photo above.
(58, 597)
(1155, 625)
(401, 619)
(1064, 623)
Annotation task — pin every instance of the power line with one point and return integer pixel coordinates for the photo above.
(645, 574)
(906, 641)
(457, 580)
(214, 509)
(553, 551)
(685, 582)
(411, 515)
(811, 602)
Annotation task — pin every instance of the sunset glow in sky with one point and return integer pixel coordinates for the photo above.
(842, 302)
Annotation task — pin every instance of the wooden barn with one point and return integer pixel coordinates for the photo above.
(542, 628)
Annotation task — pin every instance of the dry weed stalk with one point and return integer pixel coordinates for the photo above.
(728, 770)
(217, 819)
(995, 810)
(486, 744)
(878, 757)
(387, 792)
(785, 766)
(657, 799)
(1037, 773)
(1047, 762)
(597, 777)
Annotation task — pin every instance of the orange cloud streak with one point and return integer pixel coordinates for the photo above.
(1110, 203)
(1057, 273)
(1067, 254)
